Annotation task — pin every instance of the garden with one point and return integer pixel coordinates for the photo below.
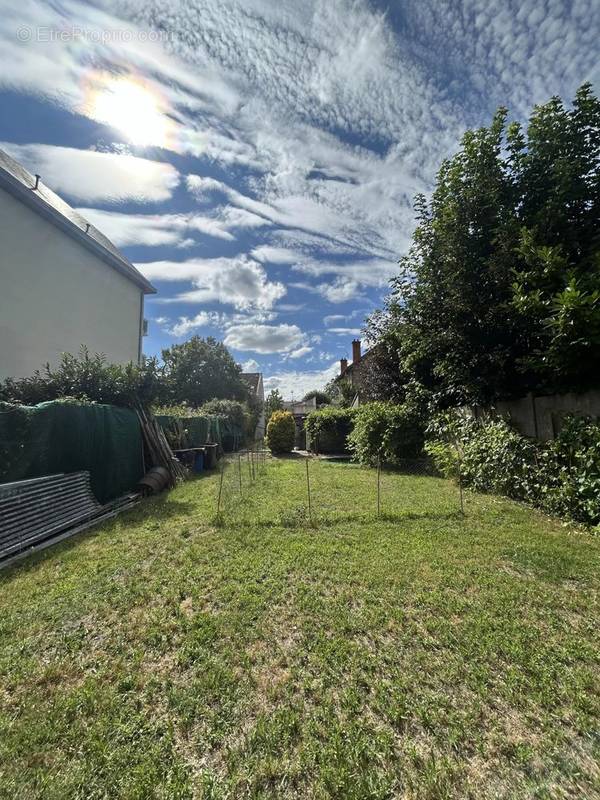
(422, 653)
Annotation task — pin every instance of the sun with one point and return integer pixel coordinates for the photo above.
(132, 107)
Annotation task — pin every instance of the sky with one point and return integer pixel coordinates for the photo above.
(256, 160)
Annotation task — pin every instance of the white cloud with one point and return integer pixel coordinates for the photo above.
(340, 291)
(250, 366)
(345, 331)
(186, 325)
(90, 175)
(264, 338)
(238, 281)
(297, 384)
(301, 351)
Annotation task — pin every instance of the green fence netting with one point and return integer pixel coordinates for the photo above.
(183, 432)
(65, 437)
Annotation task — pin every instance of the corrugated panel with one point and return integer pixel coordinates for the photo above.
(35, 510)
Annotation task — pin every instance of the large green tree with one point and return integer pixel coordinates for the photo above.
(199, 370)
(499, 293)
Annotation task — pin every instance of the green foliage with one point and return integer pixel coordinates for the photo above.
(341, 391)
(328, 429)
(561, 476)
(274, 402)
(200, 369)
(87, 377)
(500, 291)
(281, 432)
(322, 398)
(386, 431)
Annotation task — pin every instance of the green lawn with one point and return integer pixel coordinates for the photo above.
(419, 655)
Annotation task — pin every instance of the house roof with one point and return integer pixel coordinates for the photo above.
(350, 368)
(16, 180)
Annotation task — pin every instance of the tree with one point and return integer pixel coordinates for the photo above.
(281, 432)
(499, 293)
(274, 402)
(199, 370)
(322, 398)
(341, 392)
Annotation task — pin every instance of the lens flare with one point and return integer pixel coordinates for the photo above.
(130, 106)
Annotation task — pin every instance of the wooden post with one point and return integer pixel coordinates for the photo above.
(308, 490)
(220, 487)
(240, 471)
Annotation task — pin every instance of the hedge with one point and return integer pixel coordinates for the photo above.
(561, 477)
(327, 429)
(281, 432)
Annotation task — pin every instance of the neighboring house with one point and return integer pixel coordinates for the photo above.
(255, 382)
(356, 372)
(300, 409)
(63, 284)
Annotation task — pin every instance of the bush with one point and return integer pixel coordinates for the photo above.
(561, 477)
(87, 377)
(281, 432)
(386, 431)
(328, 428)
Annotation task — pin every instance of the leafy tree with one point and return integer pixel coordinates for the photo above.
(274, 402)
(322, 398)
(341, 392)
(199, 370)
(500, 291)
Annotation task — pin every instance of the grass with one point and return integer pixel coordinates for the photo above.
(419, 655)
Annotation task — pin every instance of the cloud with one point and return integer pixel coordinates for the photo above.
(340, 291)
(250, 366)
(297, 383)
(345, 331)
(186, 325)
(237, 281)
(301, 351)
(264, 338)
(169, 229)
(91, 176)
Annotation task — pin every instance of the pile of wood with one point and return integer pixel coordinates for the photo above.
(158, 450)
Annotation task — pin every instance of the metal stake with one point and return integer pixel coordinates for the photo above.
(240, 472)
(220, 488)
(378, 484)
(308, 490)
(460, 487)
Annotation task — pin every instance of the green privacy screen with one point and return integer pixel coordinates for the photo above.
(68, 436)
(195, 431)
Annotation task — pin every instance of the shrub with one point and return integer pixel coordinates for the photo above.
(327, 429)
(281, 432)
(561, 476)
(386, 431)
(87, 377)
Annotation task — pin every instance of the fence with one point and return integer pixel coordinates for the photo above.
(246, 494)
(541, 417)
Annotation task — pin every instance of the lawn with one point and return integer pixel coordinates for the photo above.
(420, 654)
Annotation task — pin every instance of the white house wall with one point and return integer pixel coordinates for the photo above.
(55, 295)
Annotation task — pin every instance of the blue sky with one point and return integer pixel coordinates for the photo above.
(257, 160)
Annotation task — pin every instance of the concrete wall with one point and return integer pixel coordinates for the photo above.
(541, 417)
(55, 295)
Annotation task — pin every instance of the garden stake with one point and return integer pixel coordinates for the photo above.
(240, 472)
(460, 488)
(220, 488)
(378, 484)
(308, 490)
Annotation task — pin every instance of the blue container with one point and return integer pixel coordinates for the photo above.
(199, 462)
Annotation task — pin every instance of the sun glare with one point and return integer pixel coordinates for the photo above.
(131, 107)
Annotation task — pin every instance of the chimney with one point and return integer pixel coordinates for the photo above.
(356, 351)
(343, 365)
